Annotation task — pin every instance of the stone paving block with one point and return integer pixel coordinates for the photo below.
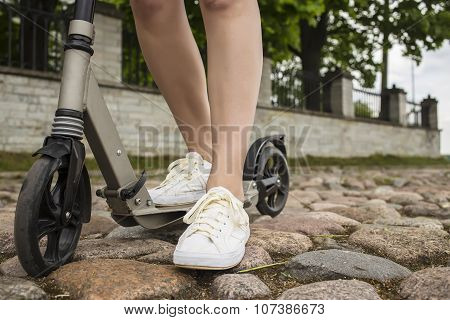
(332, 290)
(118, 279)
(333, 264)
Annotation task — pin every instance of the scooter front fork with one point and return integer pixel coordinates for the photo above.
(82, 109)
(68, 123)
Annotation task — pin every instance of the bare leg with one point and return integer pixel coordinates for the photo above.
(173, 58)
(233, 30)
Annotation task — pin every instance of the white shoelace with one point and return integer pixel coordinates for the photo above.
(209, 213)
(179, 168)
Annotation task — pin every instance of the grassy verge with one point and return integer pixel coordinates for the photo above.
(371, 161)
(10, 161)
(22, 161)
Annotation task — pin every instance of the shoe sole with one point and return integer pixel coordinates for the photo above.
(205, 267)
(185, 264)
(184, 204)
(175, 201)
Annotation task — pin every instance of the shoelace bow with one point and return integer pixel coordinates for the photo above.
(179, 167)
(208, 223)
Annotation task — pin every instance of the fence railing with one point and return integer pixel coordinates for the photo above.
(32, 39)
(134, 69)
(287, 90)
(413, 114)
(367, 103)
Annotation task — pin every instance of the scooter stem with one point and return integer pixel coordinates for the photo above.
(75, 75)
(84, 10)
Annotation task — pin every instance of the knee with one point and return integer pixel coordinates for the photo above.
(221, 5)
(147, 8)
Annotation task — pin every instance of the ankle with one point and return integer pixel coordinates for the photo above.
(205, 155)
(236, 190)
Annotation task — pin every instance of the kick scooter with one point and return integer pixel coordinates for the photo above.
(55, 199)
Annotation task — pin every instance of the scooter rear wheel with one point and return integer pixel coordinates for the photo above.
(46, 237)
(272, 177)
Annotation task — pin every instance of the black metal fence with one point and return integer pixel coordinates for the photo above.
(287, 89)
(32, 39)
(367, 103)
(414, 114)
(134, 69)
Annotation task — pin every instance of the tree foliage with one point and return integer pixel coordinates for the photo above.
(360, 30)
(280, 24)
(352, 34)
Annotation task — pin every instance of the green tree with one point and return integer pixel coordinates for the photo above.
(416, 26)
(280, 24)
(348, 35)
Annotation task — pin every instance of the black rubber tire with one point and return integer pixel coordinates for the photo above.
(31, 211)
(270, 160)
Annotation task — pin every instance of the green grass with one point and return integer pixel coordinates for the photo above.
(15, 161)
(374, 160)
(22, 161)
(139, 163)
(10, 161)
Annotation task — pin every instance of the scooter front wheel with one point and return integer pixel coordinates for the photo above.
(46, 237)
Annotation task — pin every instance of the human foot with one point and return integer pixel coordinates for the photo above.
(185, 183)
(217, 233)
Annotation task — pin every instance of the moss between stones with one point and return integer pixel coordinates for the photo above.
(3, 258)
(388, 290)
(423, 263)
(52, 290)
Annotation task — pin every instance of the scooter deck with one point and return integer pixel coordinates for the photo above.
(155, 216)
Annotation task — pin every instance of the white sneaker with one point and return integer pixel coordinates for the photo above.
(218, 231)
(185, 183)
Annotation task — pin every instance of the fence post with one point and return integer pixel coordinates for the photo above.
(393, 106)
(265, 89)
(107, 59)
(338, 94)
(429, 113)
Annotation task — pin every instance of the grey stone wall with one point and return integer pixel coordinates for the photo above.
(28, 103)
(338, 137)
(338, 94)
(107, 58)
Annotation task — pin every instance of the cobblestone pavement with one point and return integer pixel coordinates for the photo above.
(345, 234)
